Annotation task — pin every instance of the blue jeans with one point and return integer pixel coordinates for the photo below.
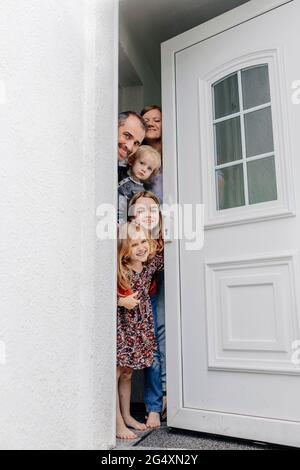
(153, 394)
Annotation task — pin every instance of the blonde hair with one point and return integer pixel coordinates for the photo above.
(146, 150)
(158, 242)
(126, 236)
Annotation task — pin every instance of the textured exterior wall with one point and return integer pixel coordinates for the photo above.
(56, 280)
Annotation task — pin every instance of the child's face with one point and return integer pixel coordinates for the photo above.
(146, 213)
(140, 248)
(143, 167)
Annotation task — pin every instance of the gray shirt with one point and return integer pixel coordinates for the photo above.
(156, 186)
(127, 189)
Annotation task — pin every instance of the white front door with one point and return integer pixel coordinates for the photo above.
(231, 142)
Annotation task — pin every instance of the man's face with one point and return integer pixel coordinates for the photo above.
(131, 135)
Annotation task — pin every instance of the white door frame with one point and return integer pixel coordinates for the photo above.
(178, 416)
(97, 356)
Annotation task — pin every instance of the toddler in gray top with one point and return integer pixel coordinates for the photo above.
(142, 167)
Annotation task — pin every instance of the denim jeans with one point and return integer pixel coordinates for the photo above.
(153, 394)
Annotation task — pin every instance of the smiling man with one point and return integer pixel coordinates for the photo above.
(132, 130)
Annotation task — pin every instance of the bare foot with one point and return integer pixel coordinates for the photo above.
(153, 421)
(124, 433)
(133, 423)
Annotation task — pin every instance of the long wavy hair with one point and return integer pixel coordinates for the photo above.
(125, 239)
(157, 233)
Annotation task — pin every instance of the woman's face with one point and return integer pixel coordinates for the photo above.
(146, 213)
(139, 248)
(154, 125)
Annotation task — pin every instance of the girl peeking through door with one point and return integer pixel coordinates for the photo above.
(138, 260)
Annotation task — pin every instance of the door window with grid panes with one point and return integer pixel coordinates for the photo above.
(243, 132)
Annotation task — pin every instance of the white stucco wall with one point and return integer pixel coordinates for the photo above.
(57, 284)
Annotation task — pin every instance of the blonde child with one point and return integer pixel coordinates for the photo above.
(136, 342)
(144, 210)
(143, 166)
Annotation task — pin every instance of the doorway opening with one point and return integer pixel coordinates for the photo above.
(143, 27)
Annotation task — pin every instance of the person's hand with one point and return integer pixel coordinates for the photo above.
(129, 302)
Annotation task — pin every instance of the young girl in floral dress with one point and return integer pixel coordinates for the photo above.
(138, 261)
(144, 210)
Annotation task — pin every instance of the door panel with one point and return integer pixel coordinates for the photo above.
(237, 145)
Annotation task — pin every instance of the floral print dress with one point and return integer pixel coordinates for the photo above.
(136, 342)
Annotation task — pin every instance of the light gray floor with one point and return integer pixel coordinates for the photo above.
(173, 439)
(130, 444)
